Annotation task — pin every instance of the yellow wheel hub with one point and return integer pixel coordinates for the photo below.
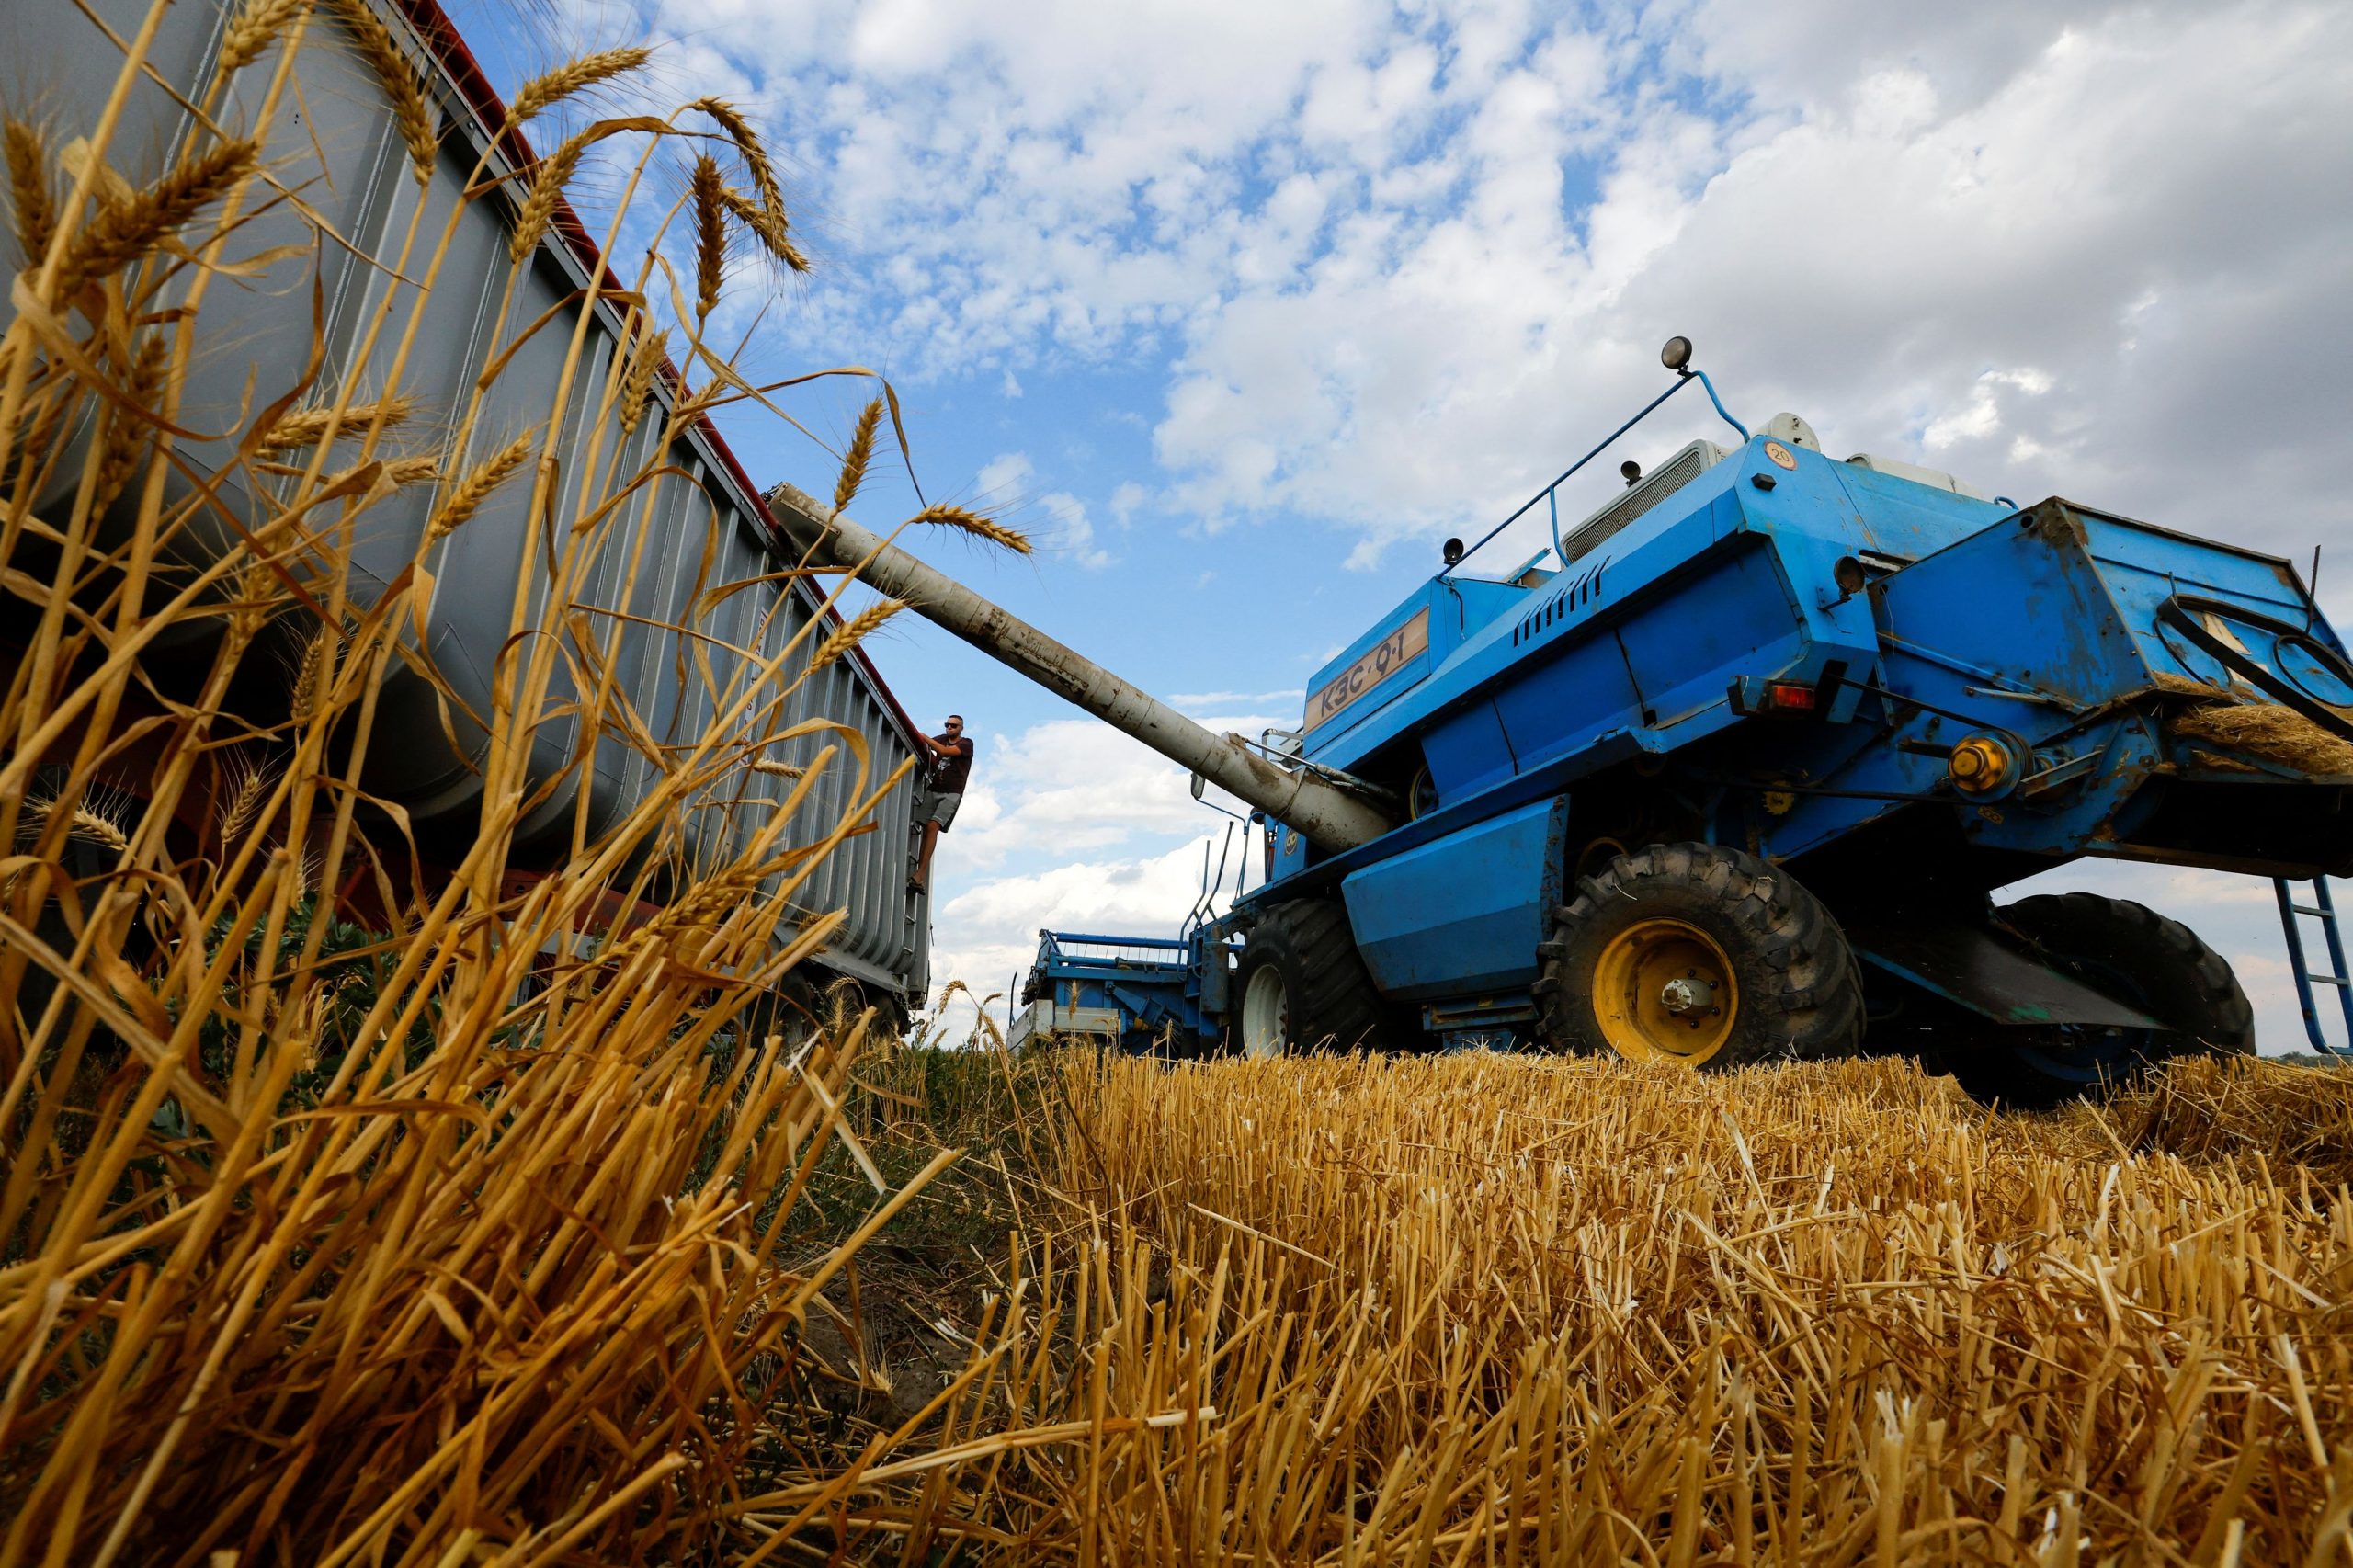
(1664, 991)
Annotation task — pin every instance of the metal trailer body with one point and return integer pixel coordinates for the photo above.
(338, 144)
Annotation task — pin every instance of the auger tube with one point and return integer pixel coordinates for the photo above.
(1329, 817)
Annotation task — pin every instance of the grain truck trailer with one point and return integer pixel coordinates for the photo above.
(1730, 773)
(676, 642)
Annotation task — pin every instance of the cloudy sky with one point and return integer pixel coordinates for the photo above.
(1242, 307)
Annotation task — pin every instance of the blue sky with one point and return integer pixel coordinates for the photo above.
(1240, 309)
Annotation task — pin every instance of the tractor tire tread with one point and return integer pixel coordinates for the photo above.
(1813, 1010)
(2229, 1014)
(1333, 1000)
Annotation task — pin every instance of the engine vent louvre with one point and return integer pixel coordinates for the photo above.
(1657, 487)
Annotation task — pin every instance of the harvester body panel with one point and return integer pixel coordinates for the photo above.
(1907, 616)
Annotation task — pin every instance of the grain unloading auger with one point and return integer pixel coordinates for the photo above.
(1733, 776)
(1326, 812)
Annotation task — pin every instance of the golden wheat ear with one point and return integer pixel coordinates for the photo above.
(637, 386)
(242, 785)
(475, 487)
(973, 523)
(711, 235)
(575, 76)
(411, 112)
(256, 27)
(853, 632)
(304, 426)
(126, 230)
(127, 435)
(861, 454)
(29, 198)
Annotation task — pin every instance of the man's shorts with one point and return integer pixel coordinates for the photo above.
(940, 809)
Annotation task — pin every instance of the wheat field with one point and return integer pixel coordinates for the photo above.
(1493, 1308)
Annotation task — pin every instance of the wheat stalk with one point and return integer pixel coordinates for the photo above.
(554, 86)
(711, 235)
(974, 524)
(305, 427)
(255, 26)
(475, 488)
(126, 434)
(637, 384)
(124, 230)
(410, 110)
(29, 193)
(860, 453)
(853, 632)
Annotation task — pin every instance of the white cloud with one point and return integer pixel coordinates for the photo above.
(1003, 477)
(1125, 499)
(1056, 519)
(1284, 701)
(1404, 258)
(1009, 385)
(1073, 786)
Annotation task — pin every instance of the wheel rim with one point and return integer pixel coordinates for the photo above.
(1266, 1014)
(1664, 991)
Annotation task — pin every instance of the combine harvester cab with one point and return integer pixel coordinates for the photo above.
(1730, 772)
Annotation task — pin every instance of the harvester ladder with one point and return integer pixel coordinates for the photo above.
(2322, 909)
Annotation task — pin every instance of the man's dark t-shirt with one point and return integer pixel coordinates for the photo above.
(948, 773)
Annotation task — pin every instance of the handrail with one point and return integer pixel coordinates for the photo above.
(1682, 378)
(1059, 938)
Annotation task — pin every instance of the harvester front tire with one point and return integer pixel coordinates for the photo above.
(1697, 953)
(1302, 986)
(2159, 965)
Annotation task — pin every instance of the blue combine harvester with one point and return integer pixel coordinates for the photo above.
(1729, 773)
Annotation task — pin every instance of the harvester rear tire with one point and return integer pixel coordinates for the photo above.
(2128, 949)
(1303, 958)
(1759, 947)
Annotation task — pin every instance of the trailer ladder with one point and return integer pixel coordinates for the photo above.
(2322, 909)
